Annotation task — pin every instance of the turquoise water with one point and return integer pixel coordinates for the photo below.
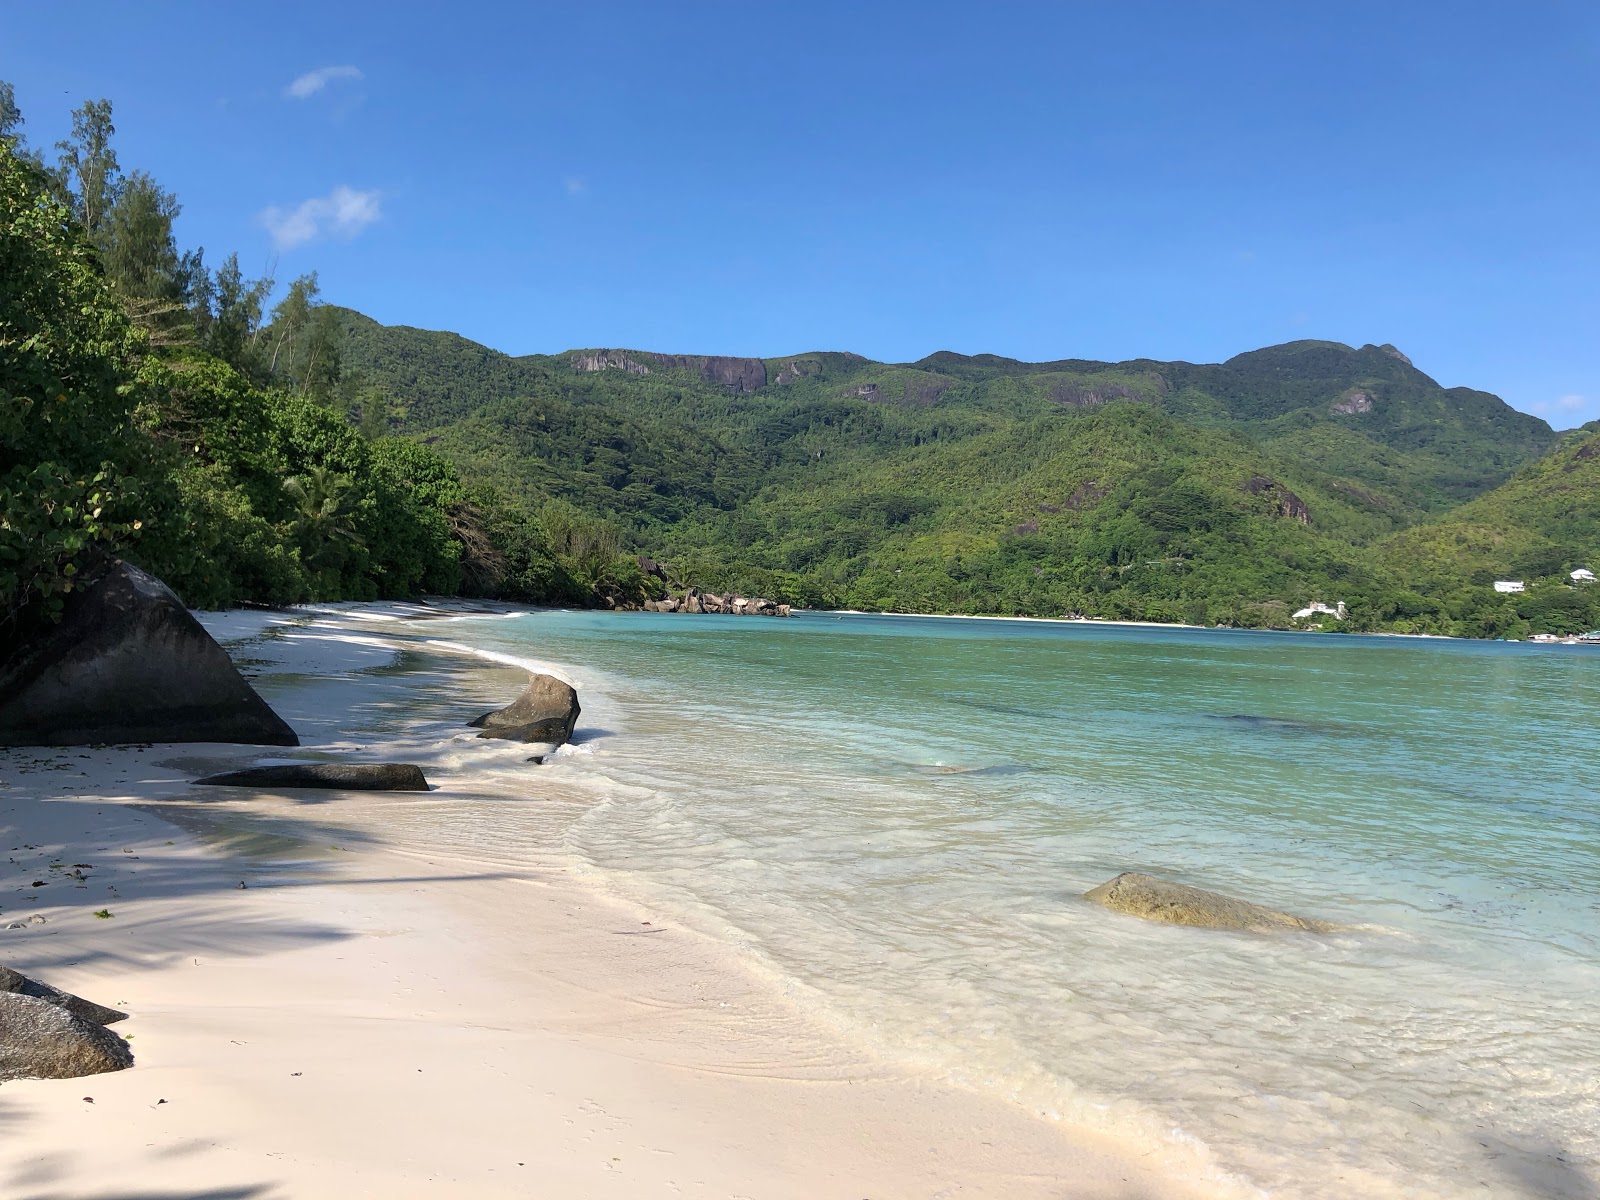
(897, 817)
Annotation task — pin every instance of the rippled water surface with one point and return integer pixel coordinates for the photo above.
(898, 817)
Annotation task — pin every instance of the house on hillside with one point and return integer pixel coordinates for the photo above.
(1317, 606)
(1583, 575)
(1510, 586)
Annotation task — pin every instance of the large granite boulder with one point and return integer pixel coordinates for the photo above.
(351, 777)
(1157, 899)
(128, 663)
(19, 984)
(40, 1040)
(547, 711)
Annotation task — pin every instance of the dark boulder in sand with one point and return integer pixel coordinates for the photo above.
(19, 984)
(128, 663)
(40, 1040)
(1157, 899)
(352, 777)
(547, 711)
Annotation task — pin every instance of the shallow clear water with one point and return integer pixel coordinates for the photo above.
(898, 816)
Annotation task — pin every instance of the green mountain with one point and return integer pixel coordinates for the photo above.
(1543, 522)
(1233, 492)
(1401, 444)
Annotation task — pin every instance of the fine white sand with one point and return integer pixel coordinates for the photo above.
(364, 1018)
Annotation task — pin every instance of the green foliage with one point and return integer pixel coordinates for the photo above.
(70, 462)
(305, 342)
(1538, 528)
(87, 172)
(145, 412)
(590, 551)
(1148, 490)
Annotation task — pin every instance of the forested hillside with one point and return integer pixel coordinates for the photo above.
(152, 409)
(158, 408)
(1235, 493)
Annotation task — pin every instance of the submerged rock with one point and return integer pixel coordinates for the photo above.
(547, 711)
(128, 663)
(40, 1040)
(354, 777)
(1157, 899)
(19, 984)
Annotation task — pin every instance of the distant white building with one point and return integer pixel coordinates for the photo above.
(1510, 585)
(1583, 575)
(1317, 606)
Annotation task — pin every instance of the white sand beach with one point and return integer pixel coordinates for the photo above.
(362, 1018)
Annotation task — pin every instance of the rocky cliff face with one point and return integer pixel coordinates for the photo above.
(1076, 395)
(1286, 503)
(608, 360)
(798, 368)
(741, 374)
(1353, 401)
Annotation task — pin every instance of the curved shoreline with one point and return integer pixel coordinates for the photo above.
(473, 1022)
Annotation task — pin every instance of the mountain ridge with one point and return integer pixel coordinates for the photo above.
(1235, 492)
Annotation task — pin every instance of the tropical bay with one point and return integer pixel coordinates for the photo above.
(645, 601)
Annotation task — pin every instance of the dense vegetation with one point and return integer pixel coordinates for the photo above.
(154, 407)
(150, 409)
(1233, 493)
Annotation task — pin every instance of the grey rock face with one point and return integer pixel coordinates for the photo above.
(547, 711)
(40, 1040)
(127, 663)
(354, 777)
(1157, 899)
(19, 984)
(1353, 402)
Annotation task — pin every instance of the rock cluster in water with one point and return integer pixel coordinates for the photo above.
(46, 1033)
(693, 600)
(1157, 899)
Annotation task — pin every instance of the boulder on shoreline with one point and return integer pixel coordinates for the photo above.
(41, 1040)
(19, 984)
(547, 711)
(1157, 899)
(352, 777)
(128, 663)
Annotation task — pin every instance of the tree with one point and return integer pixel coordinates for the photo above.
(306, 341)
(227, 310)
(87, 170)
(11, 118)
(141, 258)
(11, 123)
(325, 514)
(71, 455)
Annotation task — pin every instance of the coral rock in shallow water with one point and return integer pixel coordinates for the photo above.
(21, 985)
(354, 777)
(1157, 899)
(40, 1040)
(547, 711)
(128, 663)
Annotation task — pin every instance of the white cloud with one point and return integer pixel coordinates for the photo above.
(312, 82)
(576, 185)
(343, 212)
(1560, 407)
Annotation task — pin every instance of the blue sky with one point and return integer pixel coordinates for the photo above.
(1172, 180)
